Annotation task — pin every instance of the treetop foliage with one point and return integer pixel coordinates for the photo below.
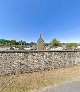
(55, 43)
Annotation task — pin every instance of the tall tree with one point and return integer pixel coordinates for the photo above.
(55, 43)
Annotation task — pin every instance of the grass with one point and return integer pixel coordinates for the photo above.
(36, 80)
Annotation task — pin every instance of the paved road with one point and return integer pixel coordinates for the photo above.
(66, 87)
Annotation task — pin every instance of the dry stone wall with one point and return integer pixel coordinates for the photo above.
(13, 62)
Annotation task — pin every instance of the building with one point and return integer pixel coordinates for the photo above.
(40, 43)
(78, 48)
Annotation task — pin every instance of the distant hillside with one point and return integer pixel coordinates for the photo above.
(2, 39)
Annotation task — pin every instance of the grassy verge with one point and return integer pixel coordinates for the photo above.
(30, 81)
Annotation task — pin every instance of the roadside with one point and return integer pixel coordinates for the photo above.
(70, 86)
(37, 80)
(66, 86)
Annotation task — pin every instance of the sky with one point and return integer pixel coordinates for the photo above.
(27, 19)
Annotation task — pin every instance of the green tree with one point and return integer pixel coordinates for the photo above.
(33, 43)
(71, 45)
(13, 42)
(55, 43)
(46, 44)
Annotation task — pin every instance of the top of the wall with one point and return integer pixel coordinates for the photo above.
(24, 51)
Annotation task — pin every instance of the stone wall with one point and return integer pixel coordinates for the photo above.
(13, 62)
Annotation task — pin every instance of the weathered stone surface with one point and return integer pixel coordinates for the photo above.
(12, 62)
(40, 43)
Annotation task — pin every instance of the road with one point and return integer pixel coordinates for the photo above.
(73, 86)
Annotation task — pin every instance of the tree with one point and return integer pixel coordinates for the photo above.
(71, 45)
(55, 43)
(33, 43)
(13, 42)
(46, 44)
